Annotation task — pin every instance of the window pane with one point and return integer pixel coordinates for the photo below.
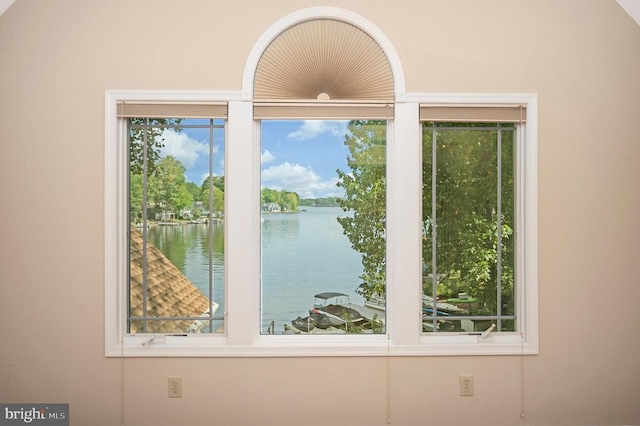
(176, 195)
(323, 203)
(471, 251)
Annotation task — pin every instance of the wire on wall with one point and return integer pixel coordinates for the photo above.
(122, 381)
(522, 375)
(388, 378)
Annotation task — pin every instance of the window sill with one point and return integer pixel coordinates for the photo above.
(313, 346)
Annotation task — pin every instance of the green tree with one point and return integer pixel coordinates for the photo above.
(149, 130)
(167, 186)
(135, 197)
(365, 198)
(467, 211)
(289, 201)
(194, 190)
(286, 200)
(145, 134)
(217, 181)
(320, 202)
(466, 202)
(268, 195)
(218, 200)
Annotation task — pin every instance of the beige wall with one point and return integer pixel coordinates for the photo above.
(581, 57)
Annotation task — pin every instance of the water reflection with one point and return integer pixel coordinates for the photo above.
(187, 247)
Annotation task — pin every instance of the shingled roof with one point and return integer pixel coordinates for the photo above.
(169, 292)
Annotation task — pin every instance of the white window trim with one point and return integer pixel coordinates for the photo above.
(242, 244)
(526, 340)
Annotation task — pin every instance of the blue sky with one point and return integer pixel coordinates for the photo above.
(303, 156)
(191, 147)
(300, 156)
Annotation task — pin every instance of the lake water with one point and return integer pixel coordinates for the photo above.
(302, 254)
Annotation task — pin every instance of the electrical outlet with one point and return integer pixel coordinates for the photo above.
(175, 387)
(466, 385)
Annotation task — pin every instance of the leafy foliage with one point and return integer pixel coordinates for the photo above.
(149, 130)
(167, 185)
(466, 203)
(217, 183)
(320, 202)
(365, 198)
(135, 197)
(167, 188)
(286, 200)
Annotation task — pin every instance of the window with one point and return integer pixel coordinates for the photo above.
(165, 200)
(327, 64)
(176, 214)
(468, 227)
(479, 223)
(323, 228)
(245, 305)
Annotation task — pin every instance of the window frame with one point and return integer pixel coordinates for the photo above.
(494, 131)
(242, 243)
(525, 339)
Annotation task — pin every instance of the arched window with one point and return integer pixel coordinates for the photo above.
(324, 59)
(328, 70)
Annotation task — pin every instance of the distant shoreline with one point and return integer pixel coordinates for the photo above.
(320, 202)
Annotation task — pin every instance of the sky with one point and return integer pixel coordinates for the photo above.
(300, 156)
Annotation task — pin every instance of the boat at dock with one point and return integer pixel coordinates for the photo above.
(442, 308)
(337, 308)
(290, 329)
(303, 324)
(333, 313)
(376, 302)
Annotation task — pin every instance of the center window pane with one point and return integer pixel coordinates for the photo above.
(323, 226)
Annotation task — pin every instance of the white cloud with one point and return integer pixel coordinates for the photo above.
(266, 157)
(204, 176)
(182, 147)
(312, 128)
(300, 179)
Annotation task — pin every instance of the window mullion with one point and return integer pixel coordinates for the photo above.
(242, 232)
(404, 271)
